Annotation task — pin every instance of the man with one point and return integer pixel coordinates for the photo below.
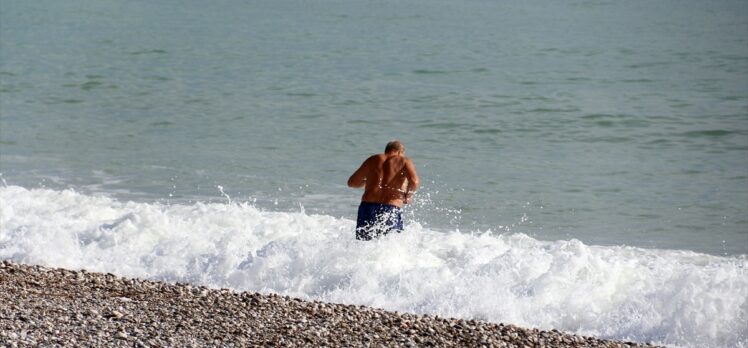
(389, 180)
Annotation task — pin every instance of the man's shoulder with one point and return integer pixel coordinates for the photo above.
(405, 159)
(409, 163)
(372, 160)
(376, 157)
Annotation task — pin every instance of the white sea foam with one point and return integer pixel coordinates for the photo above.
(673, 297)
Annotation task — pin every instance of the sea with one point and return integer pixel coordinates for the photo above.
(583, 163)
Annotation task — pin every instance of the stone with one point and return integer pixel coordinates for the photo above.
(146, 313)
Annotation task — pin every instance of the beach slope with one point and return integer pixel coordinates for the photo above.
(42, 306)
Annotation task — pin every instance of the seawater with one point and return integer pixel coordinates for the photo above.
(672, 297)
(563, 146)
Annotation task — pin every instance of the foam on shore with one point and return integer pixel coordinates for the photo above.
(664, 296)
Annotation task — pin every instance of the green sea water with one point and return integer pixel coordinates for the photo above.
(611, 122)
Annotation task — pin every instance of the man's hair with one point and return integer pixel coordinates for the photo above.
(394, 146)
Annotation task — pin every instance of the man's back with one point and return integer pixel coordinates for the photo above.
(387, 178)
(386, 181)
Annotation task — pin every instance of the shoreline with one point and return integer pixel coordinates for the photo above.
(55, 306)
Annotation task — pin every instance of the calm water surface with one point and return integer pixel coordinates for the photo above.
(612, 122)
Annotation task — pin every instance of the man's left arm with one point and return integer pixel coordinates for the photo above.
(358, 179)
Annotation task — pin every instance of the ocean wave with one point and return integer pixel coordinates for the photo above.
(669, 297)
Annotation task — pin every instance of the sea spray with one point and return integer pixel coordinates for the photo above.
(667, 296)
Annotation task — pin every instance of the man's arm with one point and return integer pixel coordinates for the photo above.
(358, 179)
(413, 180)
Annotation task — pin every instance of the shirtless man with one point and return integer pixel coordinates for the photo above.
(389, 180)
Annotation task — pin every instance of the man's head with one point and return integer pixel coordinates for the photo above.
(393, 147)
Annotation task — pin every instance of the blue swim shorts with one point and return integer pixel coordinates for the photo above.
(376, 219)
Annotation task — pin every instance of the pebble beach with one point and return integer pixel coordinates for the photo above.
(42, 306)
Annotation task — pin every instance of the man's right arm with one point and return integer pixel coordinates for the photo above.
(413, 180)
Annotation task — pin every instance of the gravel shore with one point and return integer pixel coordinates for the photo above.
(42, 306)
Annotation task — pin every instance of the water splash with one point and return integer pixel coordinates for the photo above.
(220, 188)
